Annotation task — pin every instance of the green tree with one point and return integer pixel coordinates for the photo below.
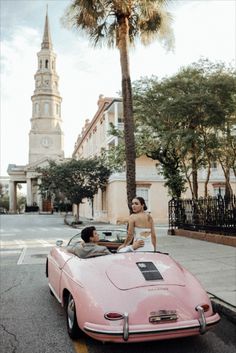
(75, 180)
(120, 23)
(21, 202)
(168, 162)
(4, 201)
(192, 109)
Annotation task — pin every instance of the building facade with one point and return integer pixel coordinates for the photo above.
(111, 205)
(46, 139)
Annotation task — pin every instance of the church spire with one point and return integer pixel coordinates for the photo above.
(46, 136)
(47, 41)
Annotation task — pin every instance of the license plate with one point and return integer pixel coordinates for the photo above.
(162, 315)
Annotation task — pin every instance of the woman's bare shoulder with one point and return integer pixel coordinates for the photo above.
(149, 216)
(133, 215)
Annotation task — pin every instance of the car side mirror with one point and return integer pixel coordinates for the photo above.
(59, 242)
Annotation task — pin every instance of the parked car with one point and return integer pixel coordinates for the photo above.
(128, 297)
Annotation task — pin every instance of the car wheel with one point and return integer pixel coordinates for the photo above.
(72, 325)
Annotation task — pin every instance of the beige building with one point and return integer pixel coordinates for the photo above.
(111, 205)
(45, 136)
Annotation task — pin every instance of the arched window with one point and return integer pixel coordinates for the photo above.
(46, 64)
(46, 108)
(40, 64)
(36, 108)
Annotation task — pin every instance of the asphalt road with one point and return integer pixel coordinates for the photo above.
(32, 321)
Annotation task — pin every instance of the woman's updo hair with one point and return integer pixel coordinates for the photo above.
(142, 201)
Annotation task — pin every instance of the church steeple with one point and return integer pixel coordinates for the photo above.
(46, 136)
(47, 41)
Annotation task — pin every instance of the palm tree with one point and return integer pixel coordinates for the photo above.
(120, 23)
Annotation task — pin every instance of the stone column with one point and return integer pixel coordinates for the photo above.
(29, 192)
(12, 197)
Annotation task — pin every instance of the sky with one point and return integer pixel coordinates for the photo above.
(202, 29)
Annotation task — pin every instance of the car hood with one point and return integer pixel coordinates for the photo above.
(149, 270)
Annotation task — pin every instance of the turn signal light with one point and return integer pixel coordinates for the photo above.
(113, 316)
(205, 307)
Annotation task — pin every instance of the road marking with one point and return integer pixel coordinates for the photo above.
(44, 243)
(19, 243)
(30, 243)
(80, 346)
(22, 255)
(9, 252)
(38, 229)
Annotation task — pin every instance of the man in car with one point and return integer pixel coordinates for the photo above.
(91, 248)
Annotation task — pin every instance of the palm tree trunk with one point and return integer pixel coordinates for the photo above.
(127, 110)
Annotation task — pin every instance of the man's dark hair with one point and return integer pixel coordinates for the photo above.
(87, 233)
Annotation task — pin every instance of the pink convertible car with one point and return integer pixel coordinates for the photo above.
(128, 297)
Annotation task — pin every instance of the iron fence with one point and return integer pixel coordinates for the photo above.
(212, 214)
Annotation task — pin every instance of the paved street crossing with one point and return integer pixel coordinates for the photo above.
(6, 232)
(29, 243)
(43, 237)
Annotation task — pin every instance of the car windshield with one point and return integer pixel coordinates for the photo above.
(107, 235)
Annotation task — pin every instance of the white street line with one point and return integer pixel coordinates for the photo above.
(44, 243)
(22, 255)
(19, 242)
(9, 252)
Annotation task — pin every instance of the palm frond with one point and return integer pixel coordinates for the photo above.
(148, 20)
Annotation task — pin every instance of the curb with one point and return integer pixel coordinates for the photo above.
(224, 309)
(229, 240)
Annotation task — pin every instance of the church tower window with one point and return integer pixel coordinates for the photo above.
(40, 64)
(46, 64)
(36, 108)
(46, 108)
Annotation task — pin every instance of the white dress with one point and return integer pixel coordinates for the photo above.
(144, 234)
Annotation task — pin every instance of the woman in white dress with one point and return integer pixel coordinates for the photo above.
(140, 227)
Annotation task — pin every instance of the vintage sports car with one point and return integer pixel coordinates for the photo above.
(128, 297)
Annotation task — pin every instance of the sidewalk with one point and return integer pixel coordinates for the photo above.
(213, 264)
